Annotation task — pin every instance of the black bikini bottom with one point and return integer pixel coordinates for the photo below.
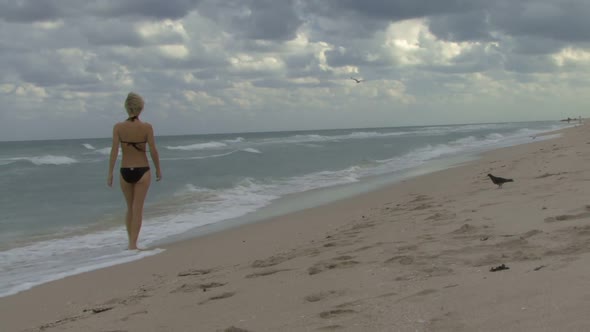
(133, 174)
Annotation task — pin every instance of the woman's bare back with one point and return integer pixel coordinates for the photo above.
(134, 137)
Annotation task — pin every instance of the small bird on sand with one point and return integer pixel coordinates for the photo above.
(356, 80)
(499, 181)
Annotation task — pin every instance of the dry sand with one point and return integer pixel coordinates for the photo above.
(415, 256)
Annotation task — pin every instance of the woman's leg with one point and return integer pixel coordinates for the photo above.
(127, 189)
(140, 190)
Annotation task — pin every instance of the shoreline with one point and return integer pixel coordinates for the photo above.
(285, 204)
(167, 216)
(298, 239)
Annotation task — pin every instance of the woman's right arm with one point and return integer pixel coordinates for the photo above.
(114, 155)
(154, 152)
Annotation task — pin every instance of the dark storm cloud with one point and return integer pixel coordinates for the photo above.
(29, 10)
(48, 69)
(338, 58)
(471, 26)
(528, 64)
(46, 76)
(560, 21)
(155, 80)
(564, 22)
(534, 45)
(49, 10)
(389, 10)
(256, 19)
(112, 32)
(158, 9)
(300, 61)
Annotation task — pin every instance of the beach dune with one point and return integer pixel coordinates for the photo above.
(446, 251)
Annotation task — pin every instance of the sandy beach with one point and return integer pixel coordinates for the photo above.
(415, 256)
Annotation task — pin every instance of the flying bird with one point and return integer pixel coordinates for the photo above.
(356, 80)
(499, 181)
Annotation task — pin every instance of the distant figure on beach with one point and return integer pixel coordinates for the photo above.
(498, 180)
(133, 135)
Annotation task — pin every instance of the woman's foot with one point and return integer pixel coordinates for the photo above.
(135, 247)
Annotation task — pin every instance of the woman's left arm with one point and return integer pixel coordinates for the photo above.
(114, 155)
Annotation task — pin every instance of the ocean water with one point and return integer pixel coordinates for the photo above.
(59, 218)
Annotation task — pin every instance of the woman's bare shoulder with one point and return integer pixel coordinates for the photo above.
(147, 125)
(118, 125)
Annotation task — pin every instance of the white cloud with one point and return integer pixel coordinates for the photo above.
(31, 91)
(202, 98)
(572, 55)
(246, 62)
(7, 88)
(161, 30)
(176, 51)
(410, 43)
(49, 25)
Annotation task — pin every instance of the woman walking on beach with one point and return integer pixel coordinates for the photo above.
(133, 134)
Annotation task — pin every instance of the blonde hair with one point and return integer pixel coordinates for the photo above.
(133, 104)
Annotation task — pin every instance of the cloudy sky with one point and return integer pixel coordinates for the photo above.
(208, 66)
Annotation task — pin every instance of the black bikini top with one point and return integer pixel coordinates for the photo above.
(134, 144)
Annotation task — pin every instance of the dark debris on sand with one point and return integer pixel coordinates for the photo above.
(499, 268)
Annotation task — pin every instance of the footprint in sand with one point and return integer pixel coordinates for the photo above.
(422, 207)
(347, 305)
(464, 229)
(271, 261)
(189, 288)
(265, 273)
(283, 257)
(401, 259)
(133, 314)
(235, 329)
(219, 297)
(581, 231)
(545, 175)
(336, 313)
(530, 233)
(442, 216)
(363, 225)
(60, 322)
(331, 328)
(420, 198)
(335, 263)
(136, 297)
(565, 217)
(98, 310)
(419, 203)
(342, 243)
(316, 297)
(195, 272)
